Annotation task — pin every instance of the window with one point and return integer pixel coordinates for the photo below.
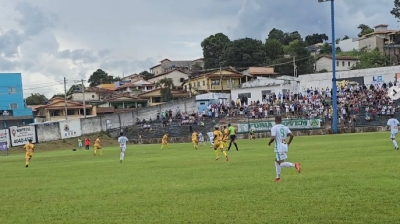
(92, 96)
(70, 112)
(248, 95)
(337, 63)
(343, 63)
(231, 83)
(204, 83)
(13, 106)
(55, 113)
(348, 64)
(215, 82)
(12, 90)
(198, 84)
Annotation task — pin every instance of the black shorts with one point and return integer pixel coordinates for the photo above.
(233, 137)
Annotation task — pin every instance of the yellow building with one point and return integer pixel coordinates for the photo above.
(217, 81)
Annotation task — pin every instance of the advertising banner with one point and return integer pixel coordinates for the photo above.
(70, 128)
(267, 125)
(4, 139)
(21, 135)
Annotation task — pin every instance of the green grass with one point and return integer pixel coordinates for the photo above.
(350, 178)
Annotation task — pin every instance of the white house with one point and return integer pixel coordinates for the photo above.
(343, 63)
(177, 77)
(262, 88)
(349, 44)
(136, 87)
(91, 95)
(167, 65)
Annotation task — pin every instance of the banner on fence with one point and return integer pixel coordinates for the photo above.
(70, 128)
(4, 139)
(21, 135)
(266, 125)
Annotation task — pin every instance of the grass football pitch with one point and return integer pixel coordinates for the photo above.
(348, 178)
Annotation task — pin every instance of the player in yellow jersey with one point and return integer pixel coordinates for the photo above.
(164, 141)
(29, 149)
(218, 143)
(226, 137)
(97, 146)
(195, 140)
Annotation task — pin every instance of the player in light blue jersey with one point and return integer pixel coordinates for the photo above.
(279, 133)
(122, 140)
(393, 123)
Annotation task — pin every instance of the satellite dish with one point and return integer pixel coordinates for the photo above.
(394, 93)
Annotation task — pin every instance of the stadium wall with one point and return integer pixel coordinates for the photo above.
(51, 131)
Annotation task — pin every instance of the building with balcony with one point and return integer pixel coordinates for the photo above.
(91, 95)
(343, 63)
(217, 81)
(13, 109)
(136, 87)
(178, 77)
(154, 97)
(55, 110)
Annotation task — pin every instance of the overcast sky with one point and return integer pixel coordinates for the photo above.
(47, 40)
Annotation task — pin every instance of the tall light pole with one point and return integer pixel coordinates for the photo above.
(334, 89)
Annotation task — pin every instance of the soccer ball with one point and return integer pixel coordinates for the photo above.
(394, 93)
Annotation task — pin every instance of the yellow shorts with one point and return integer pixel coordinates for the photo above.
(97, 147)
(164, 142)
(218, 145)
(28, 155)
(195, 142)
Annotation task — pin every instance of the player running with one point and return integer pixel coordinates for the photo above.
(29, 149)
(393, 124)
(195, 140)
(251, 134)
(218, 143)
(122, 140)
(97, 146)
(201, 139)
(211, 138)
(164, 141)
(279, 133)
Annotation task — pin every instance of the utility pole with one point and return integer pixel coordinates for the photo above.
(83, 97)
(294, 66)
(65, 98)
(220, 74)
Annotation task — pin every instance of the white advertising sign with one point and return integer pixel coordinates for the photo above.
(21, 135)
(4, 139)
(70, 128)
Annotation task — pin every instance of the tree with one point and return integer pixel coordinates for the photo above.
(364, 30)
(371, 59)
(396, 10)
(165, 82)
(316, 38)
(213, 47)
(244, 52)
(101, 77)
(166, 95)
(62, 95)
(345, 37)
(147, 75)
(74, 88)
(276, 34)
(304, 62)
(326, 48)
(273, 49)
(36, 99)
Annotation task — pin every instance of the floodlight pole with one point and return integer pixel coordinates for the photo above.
(334, 87)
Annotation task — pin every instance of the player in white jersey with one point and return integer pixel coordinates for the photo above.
(122, 140)
(211, 138)
(394, 129)
(279, 133)
(201, 139)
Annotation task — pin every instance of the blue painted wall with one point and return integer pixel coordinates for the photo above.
(11, 92)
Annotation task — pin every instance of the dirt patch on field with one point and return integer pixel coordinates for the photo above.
(67, 144)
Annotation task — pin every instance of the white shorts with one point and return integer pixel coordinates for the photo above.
(282, 147)
(393, 134)
(279, 156)
(123, 149)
